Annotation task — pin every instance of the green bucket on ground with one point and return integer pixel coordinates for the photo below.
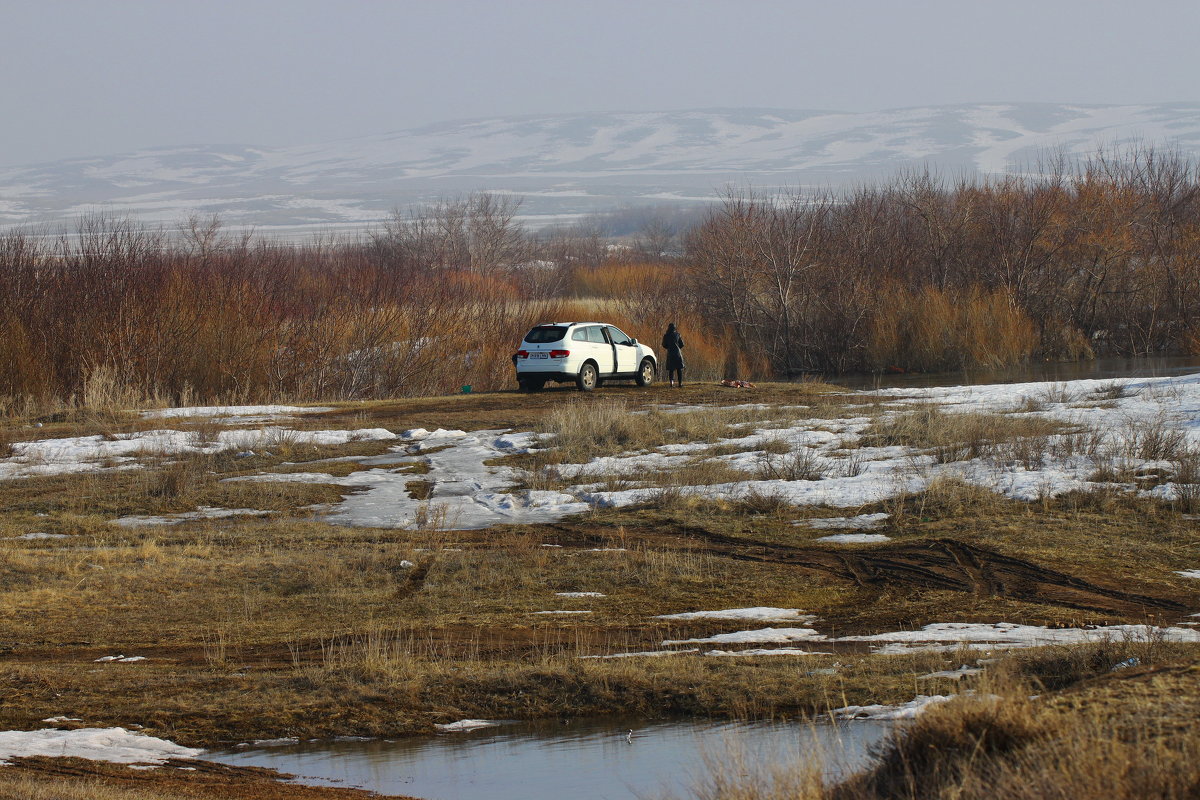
(466, 389)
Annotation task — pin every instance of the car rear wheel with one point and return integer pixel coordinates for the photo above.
(587, 378)
(645, 375)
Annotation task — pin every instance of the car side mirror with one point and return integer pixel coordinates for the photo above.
(633, 342)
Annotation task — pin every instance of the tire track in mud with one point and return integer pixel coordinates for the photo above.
(947, 564)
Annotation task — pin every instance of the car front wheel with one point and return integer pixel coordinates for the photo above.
(588, 378)
(645, 375)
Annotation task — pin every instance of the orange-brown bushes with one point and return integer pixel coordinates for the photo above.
(930, 330)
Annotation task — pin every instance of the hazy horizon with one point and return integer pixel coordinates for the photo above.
(111, 77)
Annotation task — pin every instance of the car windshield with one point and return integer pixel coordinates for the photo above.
(544, 334)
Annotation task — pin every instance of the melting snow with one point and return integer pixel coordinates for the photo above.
(764, 635)
(579, 594)
(234, 414)
(468, 725)
(203, 512)
(907, 710)
(778, 651)
(1189, 573)
(762, 613)
(97, 744)
(859, 523)
(1011, 635)
(855, 538)
(649, 653)
(93, 453)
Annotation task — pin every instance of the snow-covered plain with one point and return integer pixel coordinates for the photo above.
(467, 493)
(567, 164)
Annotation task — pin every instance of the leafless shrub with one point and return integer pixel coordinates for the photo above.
(1110, 391)
(1155, 439)
(1187, 481)
(802, 464)
(763, 503)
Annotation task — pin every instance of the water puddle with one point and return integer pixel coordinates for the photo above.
(582, 760)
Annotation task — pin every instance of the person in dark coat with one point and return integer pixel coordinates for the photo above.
(672, 344)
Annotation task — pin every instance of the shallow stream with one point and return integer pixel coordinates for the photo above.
(581, 760)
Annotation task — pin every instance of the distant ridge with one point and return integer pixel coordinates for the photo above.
(570, 164)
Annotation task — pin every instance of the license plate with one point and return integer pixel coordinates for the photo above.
(539, 355)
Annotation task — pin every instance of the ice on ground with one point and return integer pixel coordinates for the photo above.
(649, 653)
(120, 659)
(762, 613)
(468, 725)
(203, 512)
(862, 522)
(778, 651)
(42, 535)
(1011, 635)
(1189, 573)
(96, 744)
(908, 710)
(761, 636)
(96, 453)
(855, 538)
(464, 493)
(57, 720)
(235, 414)
(580, 594)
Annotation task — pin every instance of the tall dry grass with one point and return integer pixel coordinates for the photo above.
(930, 330)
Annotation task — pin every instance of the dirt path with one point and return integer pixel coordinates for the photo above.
(947, 564)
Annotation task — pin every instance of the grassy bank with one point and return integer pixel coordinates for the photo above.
(277, 623)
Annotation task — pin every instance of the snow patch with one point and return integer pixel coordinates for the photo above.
(855, 538)
(763, 635)
(203, 512)
(861, 522)
(467, 725)
(909, 710)
(96, 744)
(762, 613)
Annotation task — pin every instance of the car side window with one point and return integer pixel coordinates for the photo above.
(580, 335)
(596, 334)
(618, 337)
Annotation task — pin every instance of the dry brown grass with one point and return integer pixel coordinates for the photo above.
(582, 429)
(961, 436)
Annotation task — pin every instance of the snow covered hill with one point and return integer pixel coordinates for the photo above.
(569, 164)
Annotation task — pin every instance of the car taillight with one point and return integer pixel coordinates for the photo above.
(522, 354)
(559, 353)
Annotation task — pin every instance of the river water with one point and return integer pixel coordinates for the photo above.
(1096, 369)
(581, 760)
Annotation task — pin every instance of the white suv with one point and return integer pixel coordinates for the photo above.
(584, 352)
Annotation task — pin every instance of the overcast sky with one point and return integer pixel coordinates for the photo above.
(101, 76)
